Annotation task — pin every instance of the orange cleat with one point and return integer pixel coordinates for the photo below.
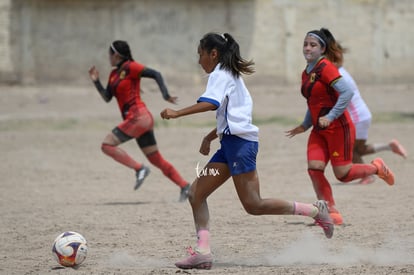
(336, 218)
(383, 172)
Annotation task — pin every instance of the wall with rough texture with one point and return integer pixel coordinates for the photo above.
(49, 41)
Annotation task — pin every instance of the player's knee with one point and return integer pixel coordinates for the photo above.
(343, 176)
(106, 148)
(252, 208)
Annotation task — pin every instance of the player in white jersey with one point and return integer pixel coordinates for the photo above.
(219, 56)
(361, 116)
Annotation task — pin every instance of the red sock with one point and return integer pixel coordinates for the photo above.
(167, 169)
(120, 156)
(321, 185)
(359, 171)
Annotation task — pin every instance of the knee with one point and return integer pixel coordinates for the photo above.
(342, 174)
(253, 208)
(106, 148)
(342, 177)
(191, 198)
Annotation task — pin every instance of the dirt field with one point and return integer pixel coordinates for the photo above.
(55, 179)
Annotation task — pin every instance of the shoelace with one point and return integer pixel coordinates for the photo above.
(385, 170)
(191, 251)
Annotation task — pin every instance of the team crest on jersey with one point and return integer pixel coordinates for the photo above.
(335, 154)
(312, 77)
(122, 75)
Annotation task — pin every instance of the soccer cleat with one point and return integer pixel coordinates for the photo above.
(141, 174)
(397, 148)
(196, 260)
(383, 172)
(367, 180)
(336, 218)
(323, 219)
(184, 193)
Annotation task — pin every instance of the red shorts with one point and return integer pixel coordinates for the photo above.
(137, 123)
(334, 144)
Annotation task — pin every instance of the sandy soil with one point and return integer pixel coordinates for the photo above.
(55, 179)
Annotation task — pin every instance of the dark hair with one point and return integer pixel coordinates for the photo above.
(122, 48)
(333, 50)
(228, 53)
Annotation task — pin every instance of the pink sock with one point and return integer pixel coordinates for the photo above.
(203, 240)
(305, 209)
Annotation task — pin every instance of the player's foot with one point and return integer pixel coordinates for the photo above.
(384, 172)
(323, 219)
(184, 193)
(196, 260)
(141, 174)
(397, 148)
(367, 180)
(336, 218)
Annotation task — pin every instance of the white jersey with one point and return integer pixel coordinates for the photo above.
(357, 107)
(234, 104)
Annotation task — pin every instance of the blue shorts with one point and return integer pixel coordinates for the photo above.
(239, 154)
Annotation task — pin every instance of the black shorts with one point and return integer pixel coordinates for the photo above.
(147, 139)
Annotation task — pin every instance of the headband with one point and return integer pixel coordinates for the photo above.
(114, 49)
(317, 37)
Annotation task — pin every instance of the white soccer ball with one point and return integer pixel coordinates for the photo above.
(70, 248)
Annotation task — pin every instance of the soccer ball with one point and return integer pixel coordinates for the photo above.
(70, 248)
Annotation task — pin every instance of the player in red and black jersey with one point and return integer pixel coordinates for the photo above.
(124, 84)
(333, 134)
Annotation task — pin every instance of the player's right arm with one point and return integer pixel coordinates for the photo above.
(305, 125)
(105, 93)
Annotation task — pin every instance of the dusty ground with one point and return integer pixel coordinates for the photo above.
(54, 179)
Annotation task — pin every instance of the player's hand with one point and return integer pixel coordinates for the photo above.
(169, 113)
(298, 130)
(93, 73)
(173, 99)
(205, 147)
(324, 122)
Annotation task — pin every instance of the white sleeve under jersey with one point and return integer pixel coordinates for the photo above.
(357, 107)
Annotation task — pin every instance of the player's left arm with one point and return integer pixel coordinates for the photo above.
(205, 144)
(345, 95)
(151, 73)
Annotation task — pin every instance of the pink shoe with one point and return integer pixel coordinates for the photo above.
(196, 260)
(367, 180)
(323, 219)
(397, 148)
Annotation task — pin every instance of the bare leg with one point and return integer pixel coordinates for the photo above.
(202, 188)
(248, 190)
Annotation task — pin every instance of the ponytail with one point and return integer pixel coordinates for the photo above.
(122, 48)
(334, 51)
(228, 53)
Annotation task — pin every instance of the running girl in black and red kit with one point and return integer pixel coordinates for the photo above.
(124, 84)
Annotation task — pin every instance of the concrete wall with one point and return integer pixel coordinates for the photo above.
(49, 41)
